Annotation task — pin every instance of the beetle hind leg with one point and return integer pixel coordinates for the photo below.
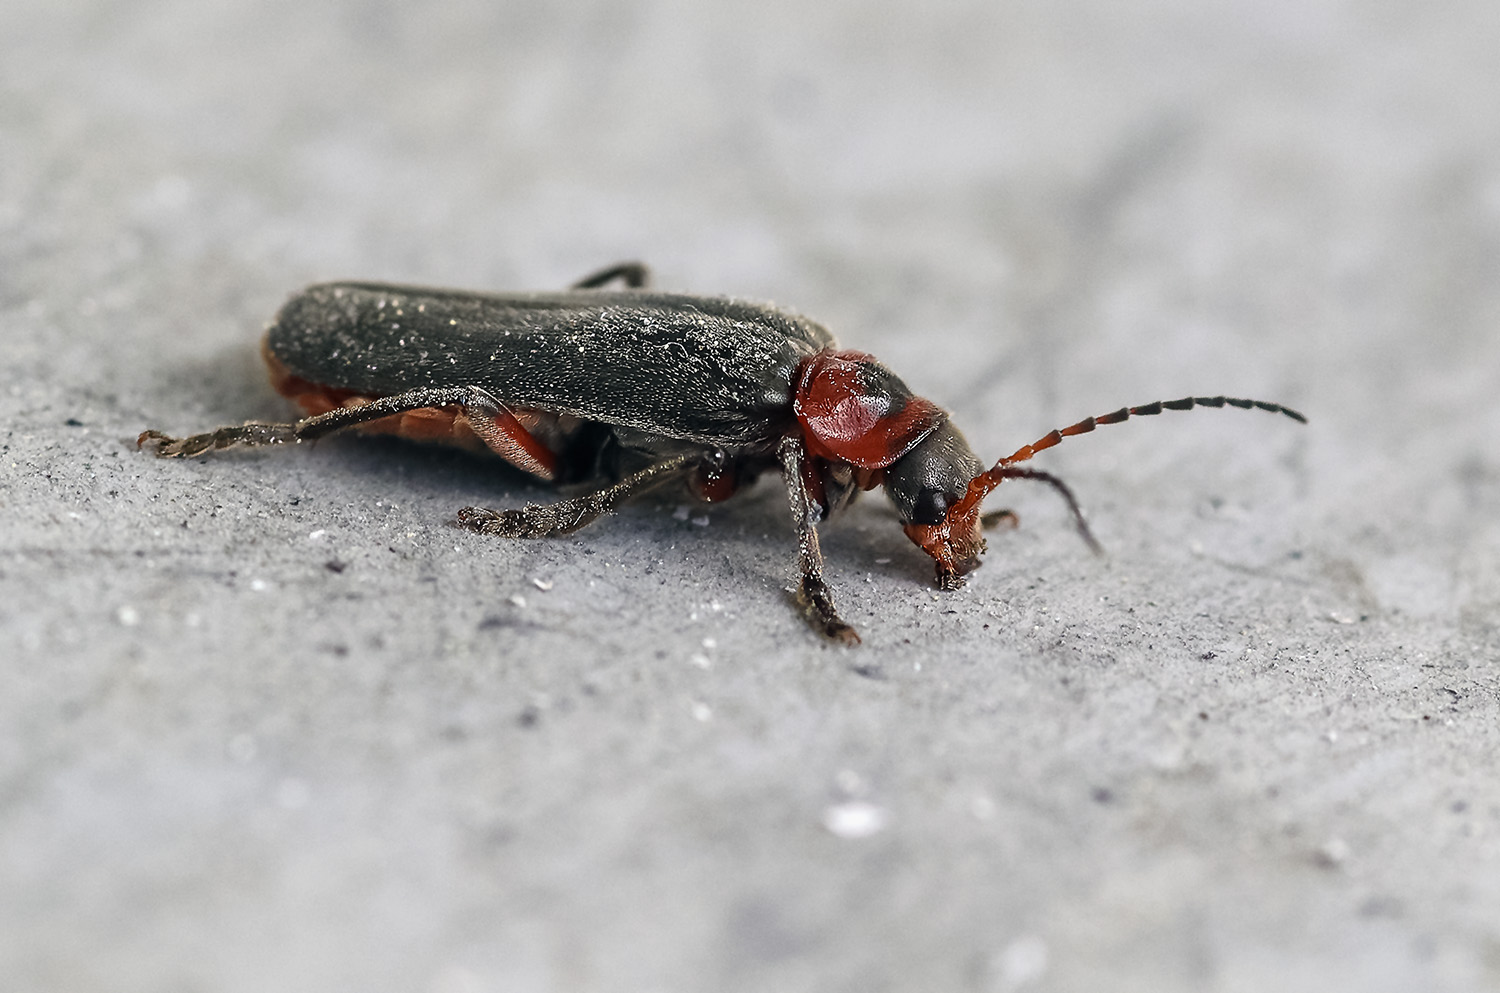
(415, 413)
(566, 516)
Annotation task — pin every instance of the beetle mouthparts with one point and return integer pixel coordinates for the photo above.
(955, 543)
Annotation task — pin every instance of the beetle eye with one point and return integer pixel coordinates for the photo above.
(931, 507)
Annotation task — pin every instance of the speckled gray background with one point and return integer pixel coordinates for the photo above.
(268, 722)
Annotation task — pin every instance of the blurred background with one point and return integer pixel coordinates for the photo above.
(266, 722)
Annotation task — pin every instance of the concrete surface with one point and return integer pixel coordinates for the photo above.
(267, 722)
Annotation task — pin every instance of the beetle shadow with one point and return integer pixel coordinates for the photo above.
(868, 538)
(443, 473)
(865, 538)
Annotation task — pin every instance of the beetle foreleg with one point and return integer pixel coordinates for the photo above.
(566, 516)
(635, 275)
(814, 592)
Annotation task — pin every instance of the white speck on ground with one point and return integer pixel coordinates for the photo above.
(855, 819)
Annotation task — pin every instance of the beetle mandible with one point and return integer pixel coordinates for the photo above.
(633, 389)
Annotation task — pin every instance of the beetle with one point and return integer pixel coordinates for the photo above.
(627, 389)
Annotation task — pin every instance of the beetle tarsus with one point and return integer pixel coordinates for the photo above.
(949, 579)
(249, 433)
(534, 520)
(818, 599)
(531, 521)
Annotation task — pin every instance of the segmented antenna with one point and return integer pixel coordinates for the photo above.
(982, 484)
(1124, 413)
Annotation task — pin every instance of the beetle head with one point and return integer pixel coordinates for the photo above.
(931, 486)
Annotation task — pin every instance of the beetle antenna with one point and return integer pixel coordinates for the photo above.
(1124, 413)
(982, 484)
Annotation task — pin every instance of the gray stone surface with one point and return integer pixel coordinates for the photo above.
(267, 722)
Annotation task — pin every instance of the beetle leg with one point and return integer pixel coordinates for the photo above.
(999, 518)
(507, 437)
(635, 275)
(566, 516)
(496, 426)
(249, 433)
(815, 593)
